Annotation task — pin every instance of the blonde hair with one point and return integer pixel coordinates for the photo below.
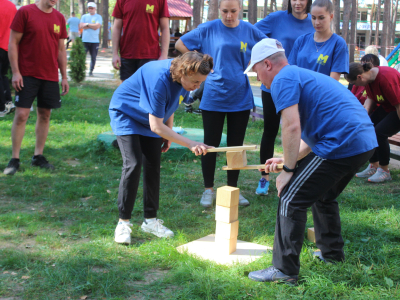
(371, 50)
(240, 2)
(191, 63)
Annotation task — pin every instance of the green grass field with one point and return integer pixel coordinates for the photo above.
(56, 228)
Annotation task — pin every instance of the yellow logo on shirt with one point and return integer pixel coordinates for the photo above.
(149, 8)
(379, 98)
(56, 28)
(322, 59)
(180, 99)
(364, 93)
(243, 47)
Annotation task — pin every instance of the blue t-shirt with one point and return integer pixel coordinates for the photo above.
(285, 28)
(150, 90)
(332, 55)
(73, 23)
(90, 35)
(333, 122)
(227, 89)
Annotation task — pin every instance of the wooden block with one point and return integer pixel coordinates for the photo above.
(225, 246)
(236, 159)
(227, 230)
(226, 214)
(311, 235)
(228, 196)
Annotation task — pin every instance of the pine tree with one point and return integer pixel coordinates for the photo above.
(77, 61)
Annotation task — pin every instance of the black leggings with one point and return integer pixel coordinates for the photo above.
(5, 93)
(271, 127)
(137, 150)
(213, 123)
(386, 124)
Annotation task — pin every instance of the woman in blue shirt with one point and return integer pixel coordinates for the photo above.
(142, 112)
(284, 26)
(227, 90)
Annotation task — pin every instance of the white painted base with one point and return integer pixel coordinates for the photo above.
(205, 248)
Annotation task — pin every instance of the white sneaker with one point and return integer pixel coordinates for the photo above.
(243, 201)
(207, 198)
(10, 107)
(368, 172)
(122, 233)
(157, 228)
(380, 176)
(3, 113)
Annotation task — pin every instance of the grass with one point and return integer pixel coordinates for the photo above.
(56, 228)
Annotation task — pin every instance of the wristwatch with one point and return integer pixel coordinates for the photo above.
(286, 169)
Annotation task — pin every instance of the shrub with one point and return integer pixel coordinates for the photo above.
(77, 61)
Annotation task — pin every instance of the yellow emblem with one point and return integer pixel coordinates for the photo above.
(56, 28)
(379, 98)
(149, 8)
(322, 59)
(180, 99)
(243, 47)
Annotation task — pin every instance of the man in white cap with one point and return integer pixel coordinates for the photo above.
(91, 23)
(326, 136)
(373, 50)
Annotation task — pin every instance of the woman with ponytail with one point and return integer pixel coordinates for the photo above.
(382, 85)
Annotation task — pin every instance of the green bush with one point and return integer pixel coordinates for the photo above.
(77, 62)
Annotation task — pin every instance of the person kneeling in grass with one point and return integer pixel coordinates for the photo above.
(383, 87)
(142, 113)
(331, 143)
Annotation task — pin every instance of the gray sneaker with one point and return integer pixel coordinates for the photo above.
(207, 198)
(243, 201)
(380, 176)
(368, 172)
(272, 274)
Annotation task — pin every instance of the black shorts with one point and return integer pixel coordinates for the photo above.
(47, 93)
(130, 66)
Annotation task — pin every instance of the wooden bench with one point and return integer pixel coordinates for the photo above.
(395, 140)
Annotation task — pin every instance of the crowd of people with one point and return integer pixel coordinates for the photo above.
(328, 133)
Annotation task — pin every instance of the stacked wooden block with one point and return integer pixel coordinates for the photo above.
(226, 215)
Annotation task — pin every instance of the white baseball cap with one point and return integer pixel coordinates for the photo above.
(92, 4)
(263, 49)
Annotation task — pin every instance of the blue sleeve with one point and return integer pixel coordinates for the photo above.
(295, 51)
(192, 40)
(340, 60)
(266, 25)
(83, 19)
(285, 93)
(100, 20)
(153, 100)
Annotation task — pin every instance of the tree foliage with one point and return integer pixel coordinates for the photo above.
(77, 62)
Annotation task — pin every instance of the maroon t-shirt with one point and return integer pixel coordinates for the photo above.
(360, 93)
(140, 19)
(7, 13)
(38, 48)
(385, 90)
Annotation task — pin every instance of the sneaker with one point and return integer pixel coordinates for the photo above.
(198, 111)
(207, 198)
(243, 201)
(380, 176)
(318, 254)
(368, 172)
(3, 113)
(272, 274)
(12, 167)
(10, 107)
(122, 234)
(91, 73)
(41, 161)
(157, 228)
(263, 186)
(188, 108)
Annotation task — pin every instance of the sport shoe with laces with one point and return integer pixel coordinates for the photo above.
(157, 228)
(272, 274)
(42, 162)
(263, 186)
(10, 107)
(207, 198)
(122, 234)
(12, 167)
(380, 176)
(243, 201)
(368, 172)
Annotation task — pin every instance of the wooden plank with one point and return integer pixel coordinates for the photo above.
(236, 159)
(228, 196)
(311, 234)
(236, 148)
(250, 167)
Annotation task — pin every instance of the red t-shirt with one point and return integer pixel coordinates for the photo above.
(360, 93)
(38, 48)
(385, 90)
(7, 13)
(140, 19)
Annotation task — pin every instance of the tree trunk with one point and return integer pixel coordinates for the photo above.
(336, 16)
(284, 4)
(241, 10)
(196, 13)
(212, 10)
(252, 11)
(105, 23)
(271, 7)
(353, 30)
(71, 6)
(28, 2)
(266, 8)
(378, 19)
(346, 19)
(82, 7)
(394, 18)
(385, 28)
(371, 19)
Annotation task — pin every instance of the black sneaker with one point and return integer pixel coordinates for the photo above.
(41, 161)
(188, 108)
(12, 167)
(197, 111)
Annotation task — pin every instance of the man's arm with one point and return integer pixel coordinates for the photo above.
(165, 37)
(116, 37)
(369, 105)
(15, 39)
(62, 65)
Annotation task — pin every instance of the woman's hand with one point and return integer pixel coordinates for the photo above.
(271, 165)
(165, 146)
(199, 148)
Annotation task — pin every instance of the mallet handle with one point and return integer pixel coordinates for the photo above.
(237, 148)
(250, 167)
